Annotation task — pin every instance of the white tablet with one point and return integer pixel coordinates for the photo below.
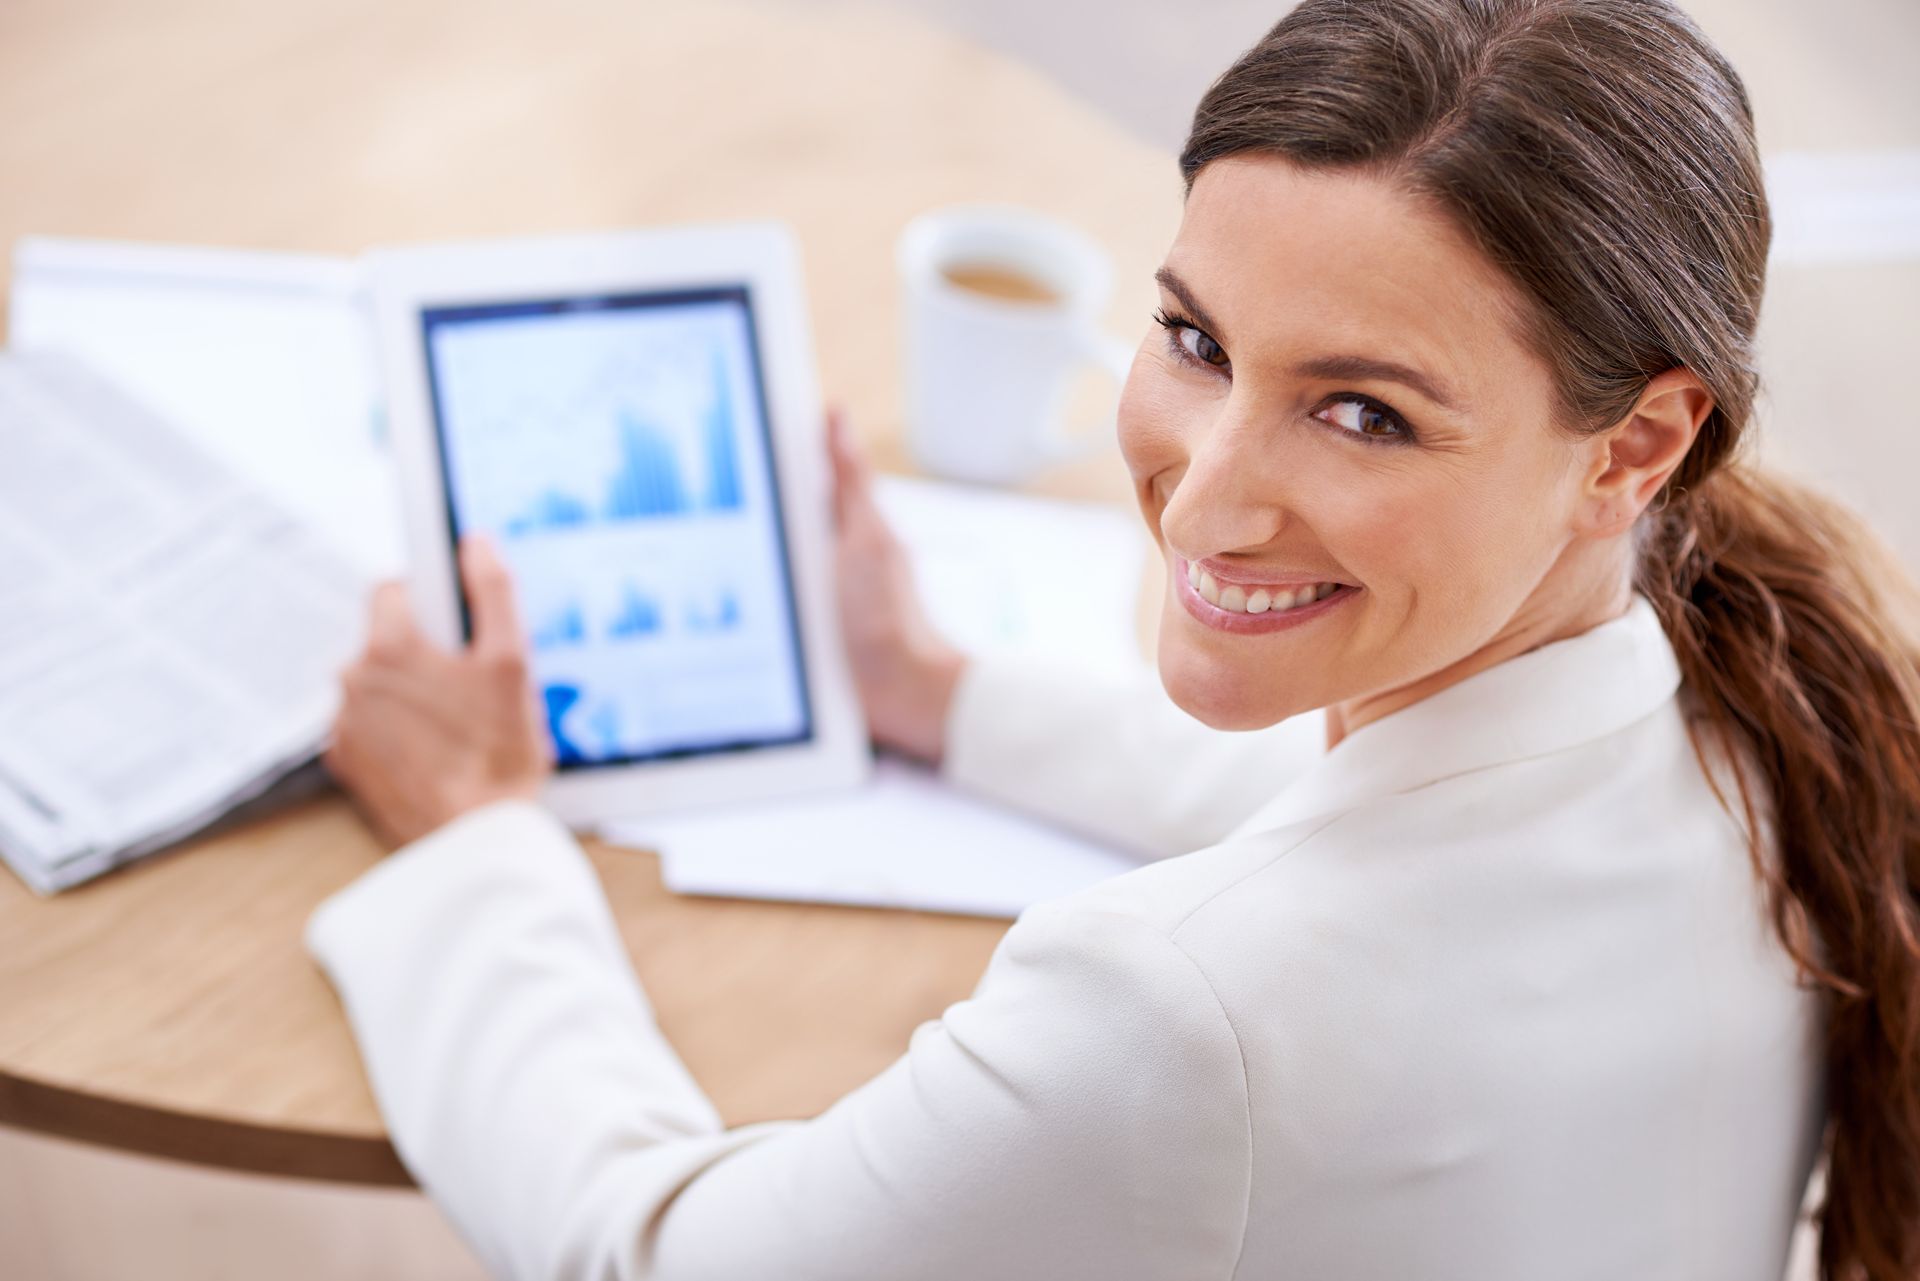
(634, 419)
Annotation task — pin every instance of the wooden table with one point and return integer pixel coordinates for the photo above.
(170, 1008)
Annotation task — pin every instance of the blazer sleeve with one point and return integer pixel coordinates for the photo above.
(1109, 754)
(1084, 1113)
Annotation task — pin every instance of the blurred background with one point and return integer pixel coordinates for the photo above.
(1837, 105)
(330, 127)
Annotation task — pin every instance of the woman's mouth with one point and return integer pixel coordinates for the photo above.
(1254, 607)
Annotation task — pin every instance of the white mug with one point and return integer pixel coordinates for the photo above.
(988, 379)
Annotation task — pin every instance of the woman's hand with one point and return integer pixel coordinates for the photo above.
(424, 735)
(905, 672)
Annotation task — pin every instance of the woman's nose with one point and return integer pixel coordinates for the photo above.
(1232, 494)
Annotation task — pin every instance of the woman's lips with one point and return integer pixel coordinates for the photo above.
(1266, 618)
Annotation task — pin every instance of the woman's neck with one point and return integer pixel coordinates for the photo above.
(1572, 598)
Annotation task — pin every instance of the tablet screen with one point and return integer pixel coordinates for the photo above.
(617, 450)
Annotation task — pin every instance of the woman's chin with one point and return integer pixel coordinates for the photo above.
(1220, 697)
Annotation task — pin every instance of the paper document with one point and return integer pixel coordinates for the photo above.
(1009, 573)
(169, 637)
(904, 840)
(264, 360)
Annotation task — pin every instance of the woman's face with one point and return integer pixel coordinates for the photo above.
(1339, 433)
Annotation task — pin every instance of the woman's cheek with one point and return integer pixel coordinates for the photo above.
(1158, 407)
(1450, 556)
(1377, 532)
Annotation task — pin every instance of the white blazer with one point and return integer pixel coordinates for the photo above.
(1486, 992)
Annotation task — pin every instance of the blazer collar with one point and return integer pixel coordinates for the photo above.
(1545, 700)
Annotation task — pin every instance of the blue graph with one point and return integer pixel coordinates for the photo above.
(639, 616)
(723, 466)
(552, 510)
(565, 706)
(604, 720)
(567, 626)
(723, 616)
(560, 698)
(647, 482)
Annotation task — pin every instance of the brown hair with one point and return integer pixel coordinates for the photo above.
(1602, 153)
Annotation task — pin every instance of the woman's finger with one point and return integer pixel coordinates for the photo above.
(857, 460)
(845, 473)
(490, 600)
(390, 630)
(857, 510)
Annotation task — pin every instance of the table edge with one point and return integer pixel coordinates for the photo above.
(217, 1143)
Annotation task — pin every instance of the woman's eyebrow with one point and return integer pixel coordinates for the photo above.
(1366, 367)
(1178, 288)
(1325, 367)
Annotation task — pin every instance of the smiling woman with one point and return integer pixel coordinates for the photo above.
(1602, 155)
(1459, 966)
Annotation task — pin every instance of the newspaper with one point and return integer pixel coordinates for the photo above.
(170, 638)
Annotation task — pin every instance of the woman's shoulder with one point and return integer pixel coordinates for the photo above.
(1612, 832)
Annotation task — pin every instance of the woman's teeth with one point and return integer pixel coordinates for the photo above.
(1236, 599)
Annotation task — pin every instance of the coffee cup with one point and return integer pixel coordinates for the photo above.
(1002, 310)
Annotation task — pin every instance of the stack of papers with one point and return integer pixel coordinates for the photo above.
(169, 636)
(263, 360)
(904, 840)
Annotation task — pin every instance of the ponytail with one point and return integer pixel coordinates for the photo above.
(1793, 629)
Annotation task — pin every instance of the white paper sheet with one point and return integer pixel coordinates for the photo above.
(1010, 573)
(904, 840)
(262, 359)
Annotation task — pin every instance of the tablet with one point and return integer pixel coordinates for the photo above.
(633, 418)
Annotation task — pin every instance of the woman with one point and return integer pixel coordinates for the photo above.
(1565, 914)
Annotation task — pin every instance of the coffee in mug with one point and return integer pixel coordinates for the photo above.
(1002, 310)
(1004, 283)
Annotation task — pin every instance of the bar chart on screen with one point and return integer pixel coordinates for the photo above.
(618, 454)
(650, 476)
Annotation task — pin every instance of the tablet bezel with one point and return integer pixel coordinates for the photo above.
(763, 258)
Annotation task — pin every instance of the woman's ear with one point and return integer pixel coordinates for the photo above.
(1632, 459)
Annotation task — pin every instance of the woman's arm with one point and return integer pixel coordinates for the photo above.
(1084, 1114)
(1109, 754)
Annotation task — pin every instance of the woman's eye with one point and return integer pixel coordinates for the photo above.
(1192, 342)
(1201, 347)
(1364, 417)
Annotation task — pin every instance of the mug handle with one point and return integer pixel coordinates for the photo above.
(1115, 355)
